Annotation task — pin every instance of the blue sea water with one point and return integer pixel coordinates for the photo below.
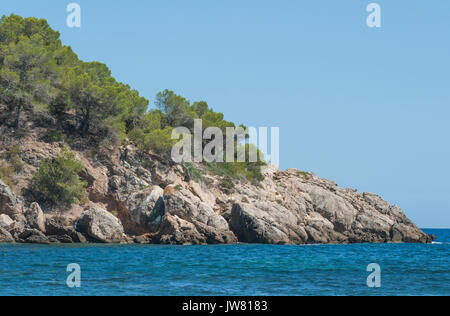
(406, 269)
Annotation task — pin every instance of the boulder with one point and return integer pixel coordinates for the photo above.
(176, 231)
(64, 239)
(35, 217)
(6, 222)
(60, 230)
(267, 223)
(409, 234)
(100, 225)
(57, 227)
(10, 204)
(143, 239)
(146, 209)
(5, 236)
(184, 205)
(33, 236)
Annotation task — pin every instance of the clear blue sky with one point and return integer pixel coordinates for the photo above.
(368, 108)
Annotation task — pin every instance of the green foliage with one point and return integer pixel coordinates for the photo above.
(12, 155)
(193, 172)
(238, 170)
(58, 181)
(36, 68)
(12, 152)
(14, 26)
(157, 140)
(176, 109)
(6, 174)
(39, 74)
(26, 73)
(227, 183)
(54, 136)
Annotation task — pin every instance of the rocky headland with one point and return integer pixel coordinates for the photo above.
(161, 203)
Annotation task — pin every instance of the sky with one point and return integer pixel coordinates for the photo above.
(366, 107)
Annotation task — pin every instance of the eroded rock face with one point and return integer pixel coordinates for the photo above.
(35, 217)
(186, 206)
(157, 201)
(5, 236)
(266, 224)
(146, 208)
(33, 236)
(10, 204)
(100, 225)
(6, 222)
(176, 231)
(293, 207)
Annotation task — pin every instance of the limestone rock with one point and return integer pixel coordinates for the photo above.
(33, 236)
(35, 217)
(146, 208)
(100, 225)
(266, 224)
(176, 231)
(186, 206)
(5, 236)
(6, 222)
(10, 204)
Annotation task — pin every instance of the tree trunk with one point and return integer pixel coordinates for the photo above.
(84, 128)
(17, 120)
(85, 123)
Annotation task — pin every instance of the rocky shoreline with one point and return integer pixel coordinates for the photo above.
(161, 204)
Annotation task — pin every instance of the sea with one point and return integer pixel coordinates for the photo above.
(231, 270)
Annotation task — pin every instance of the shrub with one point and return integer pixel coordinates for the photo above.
(21, 133)
(160, 140)
(6, 174)
(193, 172)
(227, 183)
(12, 152)
(12, 155)
(54, 136)
(157, 140)
(238, 170)
(58, 181)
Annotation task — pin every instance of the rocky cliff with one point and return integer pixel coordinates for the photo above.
(161, 204)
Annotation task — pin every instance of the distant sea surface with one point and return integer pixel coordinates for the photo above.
(406, 269)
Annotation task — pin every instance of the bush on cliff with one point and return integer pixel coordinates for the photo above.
(6, 174)
(38, 74)
(57, 180)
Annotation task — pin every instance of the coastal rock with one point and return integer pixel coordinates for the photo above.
(161, 202)
(176, 231)
(186, 206)
(6, 222)
(35, 217)
(146, 208)
(409, 234)
(64, 239)
(10, 204)
(143, 239)
(57, 227)
(100, 225)
(5, 236)
(33, 236)
(294, 207)
(266, 223)
(60, 230)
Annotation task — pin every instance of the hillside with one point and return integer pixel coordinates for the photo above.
(84, 159)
